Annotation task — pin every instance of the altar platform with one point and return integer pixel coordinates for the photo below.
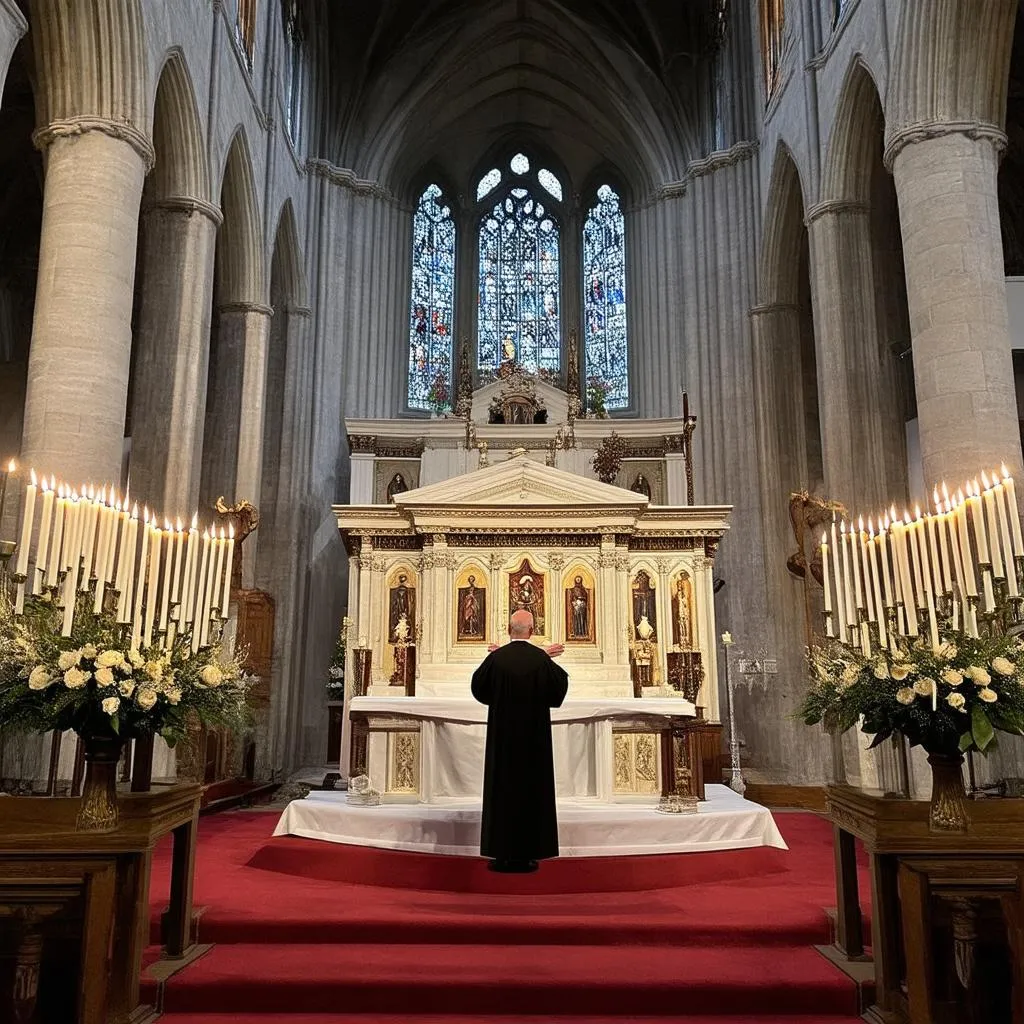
(586, 828)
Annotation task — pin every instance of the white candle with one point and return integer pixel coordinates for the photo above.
(217, 558)
(1011, 497)
(824, 574)
(68, 550)
(900, 531)
(115, 530)
(103, 544)
(226, 599)
(940, 529)
(60, 514)
(121, 550)
(140, 583)
(855, 562)
(1004, 534)
(966, 555)
(179, 543)
(884, 564)
(929, 596)
(199, 596)
(876, 588)
(165, 597)
(89, 511)
(208, 589)
(837, 575)
(915, 561)
(989, 498)
(851, 608)
(978, 521)
(188, 584)
(128, 553)
(21, 569)
(43, 540)
(153, 583)
(861, 553)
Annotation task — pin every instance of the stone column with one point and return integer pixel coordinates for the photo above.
(78, 365)
(172, 354)
(956, 290)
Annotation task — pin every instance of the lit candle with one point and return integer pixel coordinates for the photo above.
(1011, 497)
(21, 568)
(140, 583)
(861, 552)
(89, 510)
(208, 588)
(105, 514)
(929, 596)
(226, 599)
(115, 530)
(122, 548)
(851, 608)
(69, 551)
(179, 544)
(884, 563)
(1004, 534)
(966, 555)
(989, 498)
(978, 521)
(45, 532)
(153, 583)
(906, 587)
(217, 558)
(60, 514)
(871, 559)
(824, 583)
(189, 583)
(199, 596)
(855, 562)
(128, 553)
(940, 529)
(915, 559)
(838, 577)
(165, 595)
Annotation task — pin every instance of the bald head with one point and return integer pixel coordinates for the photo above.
(520, 625)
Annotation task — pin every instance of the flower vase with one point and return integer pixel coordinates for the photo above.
(948, 810)
(98, 810)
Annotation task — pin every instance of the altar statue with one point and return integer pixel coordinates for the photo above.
(401, 602)
(578, 606)
(682, 619)
(641, 486)
(644, 601)
(396, 486)
(526, 593)
(472, 612)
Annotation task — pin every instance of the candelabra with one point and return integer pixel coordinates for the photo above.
(736, 782)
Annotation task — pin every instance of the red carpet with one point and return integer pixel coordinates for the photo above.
(715, 941)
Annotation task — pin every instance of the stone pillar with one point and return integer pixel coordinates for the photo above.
(172, 355)
(956, 290)
(78, 365)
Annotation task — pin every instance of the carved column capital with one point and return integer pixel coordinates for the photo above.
(922, 131)
(69, 127)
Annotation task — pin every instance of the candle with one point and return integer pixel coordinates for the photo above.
(861, 552)
(67, 557)
(115, 530)
(915, 560)
(855, 561)
(140, 583)
(153, 583)
(919, 537)
(179, 543)
(837, 575)
(3, 490)
(906, 588)
(824, 583)
(122, 549)
(26, 527)
(989, 498)
(1004, 535)
(208, 591)
(851, 608)
(1011, 497)
(199, 596)
(188, 585)
(59, 515)
(165, 593)
(43, 541)
(217, 558)
(228, 561)
(89, 508)
(105, 514)
(978, 521)
(876, 588)
(128, 573)
(884, 563)
(941, 530)
(966, 556)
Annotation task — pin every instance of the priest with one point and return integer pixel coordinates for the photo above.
(519, 683)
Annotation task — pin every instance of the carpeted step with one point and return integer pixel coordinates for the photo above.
(413, 1018)
(538, 980)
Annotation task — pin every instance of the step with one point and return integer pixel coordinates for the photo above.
(538, 980)
(413, 1018)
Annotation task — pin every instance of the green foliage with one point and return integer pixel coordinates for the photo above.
(92, 683)
(954, 698)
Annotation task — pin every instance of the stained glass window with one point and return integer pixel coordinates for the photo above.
(550, 182)
(432, 303)
(519, 276)
(488, 182)
(519, 163)
(604, 298)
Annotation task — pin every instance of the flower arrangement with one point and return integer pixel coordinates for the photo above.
(598, 391)
(336, 672)
(950, 699)
(95, 684)
(439, 395)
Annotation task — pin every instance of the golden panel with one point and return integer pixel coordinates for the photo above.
(403, 762)
(636, 763)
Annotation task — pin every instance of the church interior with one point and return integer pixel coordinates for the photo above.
(334, 334)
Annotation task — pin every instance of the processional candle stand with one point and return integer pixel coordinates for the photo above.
(736, 783)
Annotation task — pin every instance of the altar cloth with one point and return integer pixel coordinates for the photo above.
(586, 828)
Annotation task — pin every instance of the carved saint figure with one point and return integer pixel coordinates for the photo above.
(641, 485)
(682, 614)
(397, 486)
(401, 602)
(472, 611)
(526, 593)
(578, 601)
(644, 602)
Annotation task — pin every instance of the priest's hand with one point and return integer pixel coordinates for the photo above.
(491, 648)
(554, 650)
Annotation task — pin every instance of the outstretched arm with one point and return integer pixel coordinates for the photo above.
(554, 650)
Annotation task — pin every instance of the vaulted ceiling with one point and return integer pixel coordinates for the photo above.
(621, 82)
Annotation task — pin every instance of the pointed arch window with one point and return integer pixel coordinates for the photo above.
(432, 302)
(245, 29)
(518, 303)
(606, 347)
(294, 68)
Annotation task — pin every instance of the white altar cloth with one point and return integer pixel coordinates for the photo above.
(725, 821)
(453, 734)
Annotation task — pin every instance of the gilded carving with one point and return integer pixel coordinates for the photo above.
(556, 559)
(405, 758)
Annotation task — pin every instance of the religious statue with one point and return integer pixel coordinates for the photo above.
(641, 486)
(579, 604)
(644, 602)
(472, 612)
(245, 518)
(508, 348)
(526, 592)
(401, 604)
(397, 486)
(682, 614)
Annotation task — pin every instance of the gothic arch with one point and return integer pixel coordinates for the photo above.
(240, 270)
(854, 139)
(778, 266)
(286, 262)
(181, 168)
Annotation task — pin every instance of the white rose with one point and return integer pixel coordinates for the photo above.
(146, 698)
(155, 670)
(956, 700)
(905, 695)
(110, 659)
(979, 675)
(105, 676)
(1003, 666)
(110, 705)
(899, 672)
(211, 675)
(89, 651)
(924, 686)
(988, 696)
(173, 695)
(136, 659)
(127, 687)
(951, 677)
(68, 659)
(881, 670)
(39, 678)
(947, 651)
(849, 676)
(75, 678)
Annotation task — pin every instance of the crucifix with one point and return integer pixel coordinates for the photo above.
(689, 426)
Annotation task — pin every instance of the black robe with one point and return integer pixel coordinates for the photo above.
(520, 684)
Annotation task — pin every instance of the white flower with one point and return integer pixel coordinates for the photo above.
(979, 675)
(173, 695)
(155, 670)
(905, 695)
(947, 651)
(881, 670)
(951, 677)
(75, 678)
(956, 700)
(89, 651)
(39, 678)
(105, 676)
(127, 687)
(110, 705)
(110, 659)
(1003, 666)
(899, 672)
(136, 659)
(68, 659)
(988, 696)
(211, 675)
(924, 686)
(146, 697)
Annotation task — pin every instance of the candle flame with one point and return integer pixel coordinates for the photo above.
(195, 520)
(917, 511)
(935, 496)
(231, 531)
(167, 525)
(871, 529)
(945, 490)
(206, 533)
(842, 527)
(906, 517)
(145, 514)
(984, 480)
(135, 511)
(60, 493)
(824, 539)
(177, 525)
(11, 466)
(860, 524)
(884, 528)
(1006, 472)
(892, 513)
(949, 506)
(32, 474)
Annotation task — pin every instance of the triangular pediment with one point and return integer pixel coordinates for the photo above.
(520, 481)
(551, 398)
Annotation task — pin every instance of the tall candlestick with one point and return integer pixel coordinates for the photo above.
(45, 532)
(978, 522)
(899, 533)
(228, 561)
(824, 583)
(179, 543)
(140, 583)
(129, 551)
(926, 574)
(165, 598)
(858, 593)
(89, 510)
(208, 591)
(989, 498)
(966, 554)
(199, 597)
(115, 528)
(1011, 497)
(1004, 535)
(851, 607)
(884, 563)
(837, 575)
(21, 569)
(941, 530)
(862, 553)
(915, 560)
(153, 583)
(217, 558)
(59, 515)
(875, 587)
(188, 585)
